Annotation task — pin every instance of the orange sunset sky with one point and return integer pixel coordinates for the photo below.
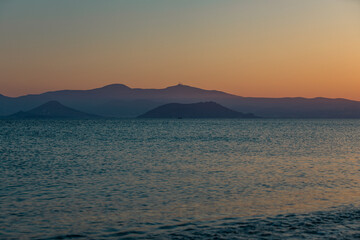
(279, 48)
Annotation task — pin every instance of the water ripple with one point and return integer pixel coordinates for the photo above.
(180, 179)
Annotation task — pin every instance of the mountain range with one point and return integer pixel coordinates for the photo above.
(118, 100)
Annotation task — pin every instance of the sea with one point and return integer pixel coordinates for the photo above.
(180, 179)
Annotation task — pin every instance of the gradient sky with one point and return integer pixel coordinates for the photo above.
(270, 48)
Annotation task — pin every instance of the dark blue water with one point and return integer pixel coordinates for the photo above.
(180, 179)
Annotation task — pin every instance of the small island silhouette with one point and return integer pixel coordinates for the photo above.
(195, 110)
(52, 109)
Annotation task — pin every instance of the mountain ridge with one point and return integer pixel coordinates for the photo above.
(119, 100)
(124, 86)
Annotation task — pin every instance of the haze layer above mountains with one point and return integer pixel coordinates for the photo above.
(118, 100)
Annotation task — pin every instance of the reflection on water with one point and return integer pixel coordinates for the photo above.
(179, 178)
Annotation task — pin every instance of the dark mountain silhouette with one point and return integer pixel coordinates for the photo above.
(53, 109)
(118, 100)
(194, 110)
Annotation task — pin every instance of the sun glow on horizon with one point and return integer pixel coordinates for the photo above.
(281, 48)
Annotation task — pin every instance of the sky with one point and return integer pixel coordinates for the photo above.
(258, 48)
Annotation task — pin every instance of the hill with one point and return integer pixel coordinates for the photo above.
(194, 110)
(52, 109)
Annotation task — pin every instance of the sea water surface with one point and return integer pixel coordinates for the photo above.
(180, 179)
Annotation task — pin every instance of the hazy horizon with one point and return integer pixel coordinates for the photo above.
(282, 48)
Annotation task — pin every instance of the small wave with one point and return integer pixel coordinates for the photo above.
(69, 236)
(126, 233)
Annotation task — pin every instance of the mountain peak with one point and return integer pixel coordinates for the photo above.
(111, 90)
(181, 88)
(115, 86)
(180, 85)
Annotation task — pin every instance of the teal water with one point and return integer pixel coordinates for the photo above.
(180, 179)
